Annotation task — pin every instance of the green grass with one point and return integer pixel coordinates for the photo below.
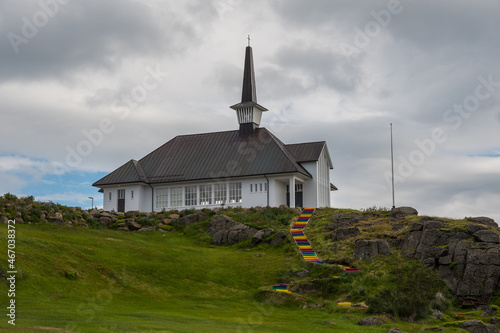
(90, 280)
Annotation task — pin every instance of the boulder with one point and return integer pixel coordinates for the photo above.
(4, 219)
(132, 225)
(340, 220)
(105, 221)
(82, 224)
(283, 207)
(146, 229)
(56, 219)
(189, 219)
(239, 232)
(367, 249)
(226, 231)
(473, 228)
(19, 220)
(400, 212)
(342, 234)
(279, 238)
(174, 216)
(394, 330)
(477, 326)
(483, 220)
(107, 214)
(487, 236)
(438, 315)
(371, 321)
(260, 235)
(488, 311)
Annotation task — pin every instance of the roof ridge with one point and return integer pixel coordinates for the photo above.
(140, 172)
(197, 134)
(287, 154)
(305, 143)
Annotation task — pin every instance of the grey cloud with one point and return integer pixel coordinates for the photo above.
(90, 35)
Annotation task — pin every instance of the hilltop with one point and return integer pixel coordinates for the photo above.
(214, 270)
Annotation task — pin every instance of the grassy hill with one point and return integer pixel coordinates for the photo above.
(95, 280)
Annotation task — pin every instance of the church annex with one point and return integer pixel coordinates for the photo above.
(247, 167)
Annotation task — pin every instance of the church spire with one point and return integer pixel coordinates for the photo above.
(248, 111)
(249, 93)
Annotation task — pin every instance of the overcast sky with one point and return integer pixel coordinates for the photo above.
(85, 86)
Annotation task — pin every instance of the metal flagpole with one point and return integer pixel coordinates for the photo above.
(392, 166)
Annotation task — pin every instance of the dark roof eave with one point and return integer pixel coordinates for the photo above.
(247, 104)
(120, 183)
(227, 178)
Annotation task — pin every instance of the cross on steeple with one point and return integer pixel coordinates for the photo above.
(248, 40)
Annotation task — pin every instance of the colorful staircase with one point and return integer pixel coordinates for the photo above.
(300, 238)
(282, 288)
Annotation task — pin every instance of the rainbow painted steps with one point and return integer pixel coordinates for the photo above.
(300, 238)
(282, 288)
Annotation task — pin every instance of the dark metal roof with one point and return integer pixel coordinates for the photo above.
(127, 173)
(306, 152)
(211, 156)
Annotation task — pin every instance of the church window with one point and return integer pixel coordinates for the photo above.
(176, 197)
(234, 192)
(161, 198)
(205, 194)
(220, 194)
(190, 195)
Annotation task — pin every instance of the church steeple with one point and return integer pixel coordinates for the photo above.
(248, 111)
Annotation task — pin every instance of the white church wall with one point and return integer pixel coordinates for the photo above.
(323, 180)
(279, 193)
(254, 192)
(137, 197)
(310, 187)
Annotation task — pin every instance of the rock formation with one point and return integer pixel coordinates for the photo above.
(467, 258)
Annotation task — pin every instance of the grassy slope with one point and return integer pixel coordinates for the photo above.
(82, 280)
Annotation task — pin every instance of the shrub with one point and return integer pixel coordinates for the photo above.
(71, 275)
(35, 215)
(413, 287)
(167, 227)
(187, 212)
(10, 197)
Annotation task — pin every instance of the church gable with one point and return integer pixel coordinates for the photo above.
(130, 172)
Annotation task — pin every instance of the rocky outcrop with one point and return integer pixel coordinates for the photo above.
(467, 258)
(483, 220)
(367, 249)
(477, 326)
(342, 234)
(371, 321)
(260, 235)
(189, 219)
(342, 220)
(280, 237)
(226, 231)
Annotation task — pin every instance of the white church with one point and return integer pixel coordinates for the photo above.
(247, 167)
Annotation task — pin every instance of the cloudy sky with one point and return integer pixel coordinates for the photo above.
(87, 85)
